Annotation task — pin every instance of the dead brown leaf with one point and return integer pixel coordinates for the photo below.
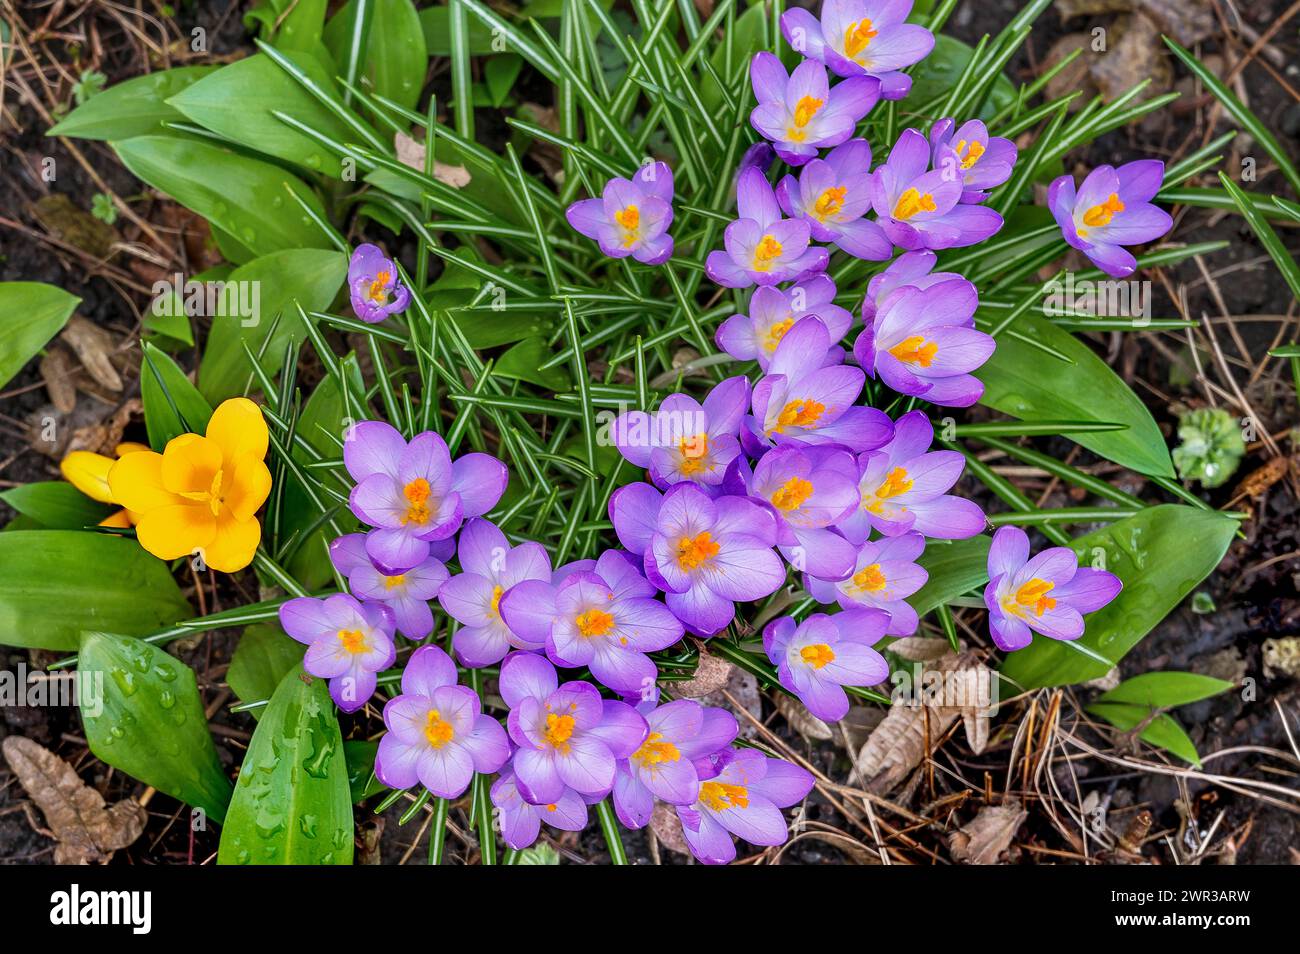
(73, 225)
(710, 674)
(982, 840)
(743, 688)
(667, 827)
(94, 348)
(85, 830)
(800, 719)
(57, 370)
(1133, 53)
(920, 648)
(410, 152)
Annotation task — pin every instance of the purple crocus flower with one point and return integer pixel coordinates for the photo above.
(810, 489)
(804, 401)
(979, 161)
(521, 820)
(631, 217)
(685, 440)
(1111, 209)
(743, 796)
(922, 209)
(884, 575)
(372, 283)
(759, 156)
(914, 269)
(773, 312)
(1047, 594)
(833, 195)
(923, 342)
(856, 37)
(347, 643)
(817, 658)
(413, 493)
(801, 112)
(491, 566)
(437, 733)
(705, 554)
(604, 618)
(680, 733)
(567, 735)
(760, 246)
(407, 593)
(903, 488)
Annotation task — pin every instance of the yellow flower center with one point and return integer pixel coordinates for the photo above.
(869, 579)
(792, 494)
(392, 582)
(804, 413)
(969, 153)
(693, 552)
(438, 731)
(776, 332)
(858, 37)
(1031, 596)
(767, 251)
(379, 287)
(914, 349)
(1100, 215)
(558, 730)
(417, 493)
(353, 640)
(817, 655)
(895, 484)
(829, 202)
(653, 751)
(693, 450)
(594, 622)
(630, 219)
(720, 795)
(495, 611)
(912, 202)
(213, 496)
(804, 111)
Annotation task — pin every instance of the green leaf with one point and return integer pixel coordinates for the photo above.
(500, 73)
(312, 276)
(360, 755)
(955, 568)
(151, 725)
(1165, 690)
(1160, 554)
(55, 505)
(291, 24)
(292, 804)
(435, 25)
(57, 583)
(1022, 381)
(524, 362)
(166, 317)
(134, 107)
(1273, 244)
(396, 52)
(172, 404)
(264, 656)
(243, 197)
(1162, 731)
(238, 99)
(936, 75)
(31, 313)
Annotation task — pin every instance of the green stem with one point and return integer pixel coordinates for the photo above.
(438, 831)
(609, 827)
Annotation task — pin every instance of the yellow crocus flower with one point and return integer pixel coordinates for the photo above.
(201, 493)
(88, 472)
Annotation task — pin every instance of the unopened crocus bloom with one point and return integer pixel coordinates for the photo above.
(568, 736)
(414, 493)
(88, 472)
(1047, 594)
(973, 157)
(773, 312)
(903, 487)
(491, 566)
(913, 269)
(833, 196)
(521, 820)
(803, 400)
(374, 286)
(810, 489)
(817, 658)
(922, 209)
(705, 554)
(923, 342)
(685, 440)
(761, 247)
(407, 593)
(801, 112)
(664, 766)
(1111, 209)
(743, 797)
(605, 618)
(856, 37)
(201, 493)
(631, 217)
(437, 733)
(347, 643)
(884, 575)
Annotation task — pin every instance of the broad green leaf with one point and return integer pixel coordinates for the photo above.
(312, 276)
(435, 25)
(1160, 554)
(1162, 731)
(396, 53)
(262, 659)
(935, 76)
(57, 583)
(524, 361)
(172, 404)
(151, 725)
(134, 107)
(31, 313)
(238, 99)
(290, 24)
(499, 75)
(292, 803)
(167, 319)
(360, 756)
(1164, 690)
(244, 197)
(56, 505)
(955, 568)
(1022, 381)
